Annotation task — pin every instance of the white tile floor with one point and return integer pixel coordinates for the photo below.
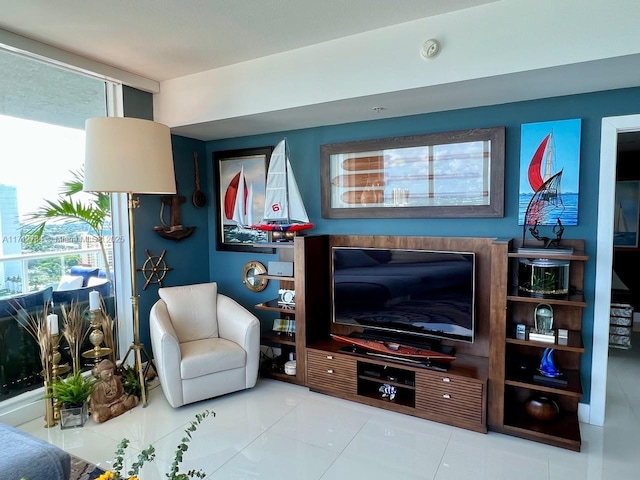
(280, 431)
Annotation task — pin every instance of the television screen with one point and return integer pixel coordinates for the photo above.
(401, 291)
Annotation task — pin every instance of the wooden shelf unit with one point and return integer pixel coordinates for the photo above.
(308, 255)
(457, 397)
(514, 361)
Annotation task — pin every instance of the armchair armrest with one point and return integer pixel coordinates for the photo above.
(237, 324)
(166, 352)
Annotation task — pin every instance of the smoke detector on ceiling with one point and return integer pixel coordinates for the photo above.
(430, 49)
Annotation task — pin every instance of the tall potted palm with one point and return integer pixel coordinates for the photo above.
(66, 209)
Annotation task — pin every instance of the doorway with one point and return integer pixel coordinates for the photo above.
(611, 127)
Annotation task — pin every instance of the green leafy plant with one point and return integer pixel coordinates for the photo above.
(148, 455)
(130, 380)
(66, 208)
(74, 390)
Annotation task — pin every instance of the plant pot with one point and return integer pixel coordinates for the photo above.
(73, 417)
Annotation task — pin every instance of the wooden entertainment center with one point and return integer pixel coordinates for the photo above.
(474, 393)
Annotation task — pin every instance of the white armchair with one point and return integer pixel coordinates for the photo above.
(204, 343)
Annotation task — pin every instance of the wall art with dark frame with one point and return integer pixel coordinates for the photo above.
(449, 174)
(229, 166)
(626, 215)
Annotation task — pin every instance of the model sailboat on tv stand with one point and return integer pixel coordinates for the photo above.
(284, 212)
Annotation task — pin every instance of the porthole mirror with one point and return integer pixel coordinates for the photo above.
(251, 276)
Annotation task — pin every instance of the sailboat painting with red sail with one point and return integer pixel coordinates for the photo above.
(242, 175)
(549, 172)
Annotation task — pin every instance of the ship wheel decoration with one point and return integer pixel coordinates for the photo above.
(154, 268)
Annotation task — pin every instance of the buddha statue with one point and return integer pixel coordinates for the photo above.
(109, 398)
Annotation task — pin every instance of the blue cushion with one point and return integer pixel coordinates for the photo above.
(84, 272)
(80, 294)
(28, 301)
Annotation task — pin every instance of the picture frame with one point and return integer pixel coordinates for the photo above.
(626, 218)
(436, 175)
(228, 165)
(549, 172)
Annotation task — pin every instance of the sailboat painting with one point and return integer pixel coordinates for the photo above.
(626, 214)
(549, 173)
(241, 186)
(283, 207)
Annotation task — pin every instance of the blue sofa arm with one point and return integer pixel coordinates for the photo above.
(25, 456)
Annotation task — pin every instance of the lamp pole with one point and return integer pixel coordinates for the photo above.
(136, 347)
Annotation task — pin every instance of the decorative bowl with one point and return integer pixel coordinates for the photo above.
(393, 346)
(542, 408)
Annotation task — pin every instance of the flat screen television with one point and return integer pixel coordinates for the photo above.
(405, 293)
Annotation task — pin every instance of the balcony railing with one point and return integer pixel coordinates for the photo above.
(21, 284)
(20, 364)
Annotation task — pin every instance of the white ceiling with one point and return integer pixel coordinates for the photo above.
(164, 39)
(168, 39)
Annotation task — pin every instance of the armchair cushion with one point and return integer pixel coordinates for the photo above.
(211, 355)
(69, 282)
(192, 310)
(85, 272)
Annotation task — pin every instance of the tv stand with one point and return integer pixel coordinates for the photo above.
(456, 396)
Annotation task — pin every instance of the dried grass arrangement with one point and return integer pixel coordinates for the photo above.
(36, 325)
(74, 331)
(107, 324)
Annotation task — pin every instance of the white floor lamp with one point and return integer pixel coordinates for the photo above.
(129, 155)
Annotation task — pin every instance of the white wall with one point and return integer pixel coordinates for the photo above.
(502, 38)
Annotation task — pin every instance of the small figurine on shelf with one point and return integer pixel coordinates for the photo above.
(547, 367)
(388, 391)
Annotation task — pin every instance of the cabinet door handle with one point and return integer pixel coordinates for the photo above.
(446, 395)
(446, 379)
(329, 357)
(330, 370)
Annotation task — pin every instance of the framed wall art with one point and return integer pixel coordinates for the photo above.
(626, 216)
(549, 172)
(240, 182)
(451, 174)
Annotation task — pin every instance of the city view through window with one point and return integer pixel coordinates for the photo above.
(49, 256)
(32, 177)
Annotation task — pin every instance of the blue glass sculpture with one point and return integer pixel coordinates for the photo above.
(547, 368)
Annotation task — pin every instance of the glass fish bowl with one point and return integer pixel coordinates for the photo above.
(542, 277)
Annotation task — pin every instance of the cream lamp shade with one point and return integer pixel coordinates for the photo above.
(128, 155)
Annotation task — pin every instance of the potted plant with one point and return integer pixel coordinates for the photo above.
(95, 213)
(130, 381)
(72, 395)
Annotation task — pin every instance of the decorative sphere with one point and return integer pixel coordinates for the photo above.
(542, 408)
(96, 337)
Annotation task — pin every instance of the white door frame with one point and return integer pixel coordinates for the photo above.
(611, 127)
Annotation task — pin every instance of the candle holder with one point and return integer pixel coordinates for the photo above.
(96, 337)
(57, 370)
(49, 415)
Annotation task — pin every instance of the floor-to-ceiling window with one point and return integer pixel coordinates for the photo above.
(43, 109)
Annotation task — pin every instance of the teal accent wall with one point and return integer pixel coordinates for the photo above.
(226, 267)
(188, 258)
